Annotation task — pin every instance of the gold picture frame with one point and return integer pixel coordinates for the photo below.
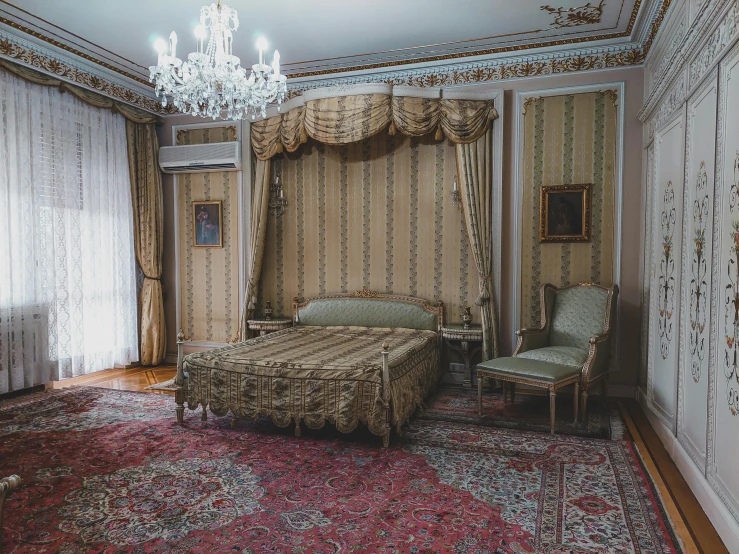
(565, 213)
(207, 224)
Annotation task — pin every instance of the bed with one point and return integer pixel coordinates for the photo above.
(362, 357)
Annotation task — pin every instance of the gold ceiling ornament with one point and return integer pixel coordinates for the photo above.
(574, 17)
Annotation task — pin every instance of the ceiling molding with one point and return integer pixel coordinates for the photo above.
(721, 13)
(90, 76)
(592, 59)
(85, 70)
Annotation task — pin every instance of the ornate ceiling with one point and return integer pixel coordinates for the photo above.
(420, 42)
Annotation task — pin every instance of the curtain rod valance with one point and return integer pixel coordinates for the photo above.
(87, 96)
(354, 115)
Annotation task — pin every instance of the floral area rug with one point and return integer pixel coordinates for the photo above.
(528, 412)
(110, 471)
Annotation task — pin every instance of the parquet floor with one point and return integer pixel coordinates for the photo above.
(691, 523)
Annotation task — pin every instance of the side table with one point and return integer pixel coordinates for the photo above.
(458, 333)
(266, 326)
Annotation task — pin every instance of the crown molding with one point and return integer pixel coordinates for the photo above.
(590, 59)
(62, 63)
(79, 72)
(712, 31)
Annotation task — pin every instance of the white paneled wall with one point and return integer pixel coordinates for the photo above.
(666, 279)
(690, 377)
(697, 269)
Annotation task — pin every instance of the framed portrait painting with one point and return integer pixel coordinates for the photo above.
(207, 224)
(564, 213)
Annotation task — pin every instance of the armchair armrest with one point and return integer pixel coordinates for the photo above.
(599, 355)
(531, 339)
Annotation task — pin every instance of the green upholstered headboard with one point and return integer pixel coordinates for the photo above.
(369, 309)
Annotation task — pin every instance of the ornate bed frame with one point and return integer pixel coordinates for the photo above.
(328, 310)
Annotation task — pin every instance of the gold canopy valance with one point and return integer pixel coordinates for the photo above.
(342, 119)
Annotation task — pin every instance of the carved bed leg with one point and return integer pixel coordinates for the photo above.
(179, 394)
(204, 415)
(6, 485)
(233, 421)
(386, 392)
(297, 427)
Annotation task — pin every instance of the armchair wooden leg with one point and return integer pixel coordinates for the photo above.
(479, 396)
(552, 408)
(513, 392)
(604, 384)
(584, 404)
(505, 393)
(577, 399)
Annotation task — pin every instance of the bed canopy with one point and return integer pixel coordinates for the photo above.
(346, 114)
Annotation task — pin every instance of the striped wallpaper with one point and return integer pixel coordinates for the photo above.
(568, 140)
(376, 214)
(209, 277)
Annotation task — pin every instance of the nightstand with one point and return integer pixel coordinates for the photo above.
(463, 336)
(266, 326)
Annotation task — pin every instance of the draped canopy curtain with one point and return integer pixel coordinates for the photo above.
(146, 192)
(340, 116)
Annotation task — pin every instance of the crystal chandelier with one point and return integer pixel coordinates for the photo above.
(211, 83)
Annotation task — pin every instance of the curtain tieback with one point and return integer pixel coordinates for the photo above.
(152, 278)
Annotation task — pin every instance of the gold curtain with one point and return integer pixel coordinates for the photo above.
(259, 209)
(347, 119)
(415, 116)
(474, 168)
(148, 236)
(88, 96)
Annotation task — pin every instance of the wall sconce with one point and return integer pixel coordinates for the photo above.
(277, 200)
(456, 194)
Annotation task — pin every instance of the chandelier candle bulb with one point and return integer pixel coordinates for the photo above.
(173, 44)
(276, 64)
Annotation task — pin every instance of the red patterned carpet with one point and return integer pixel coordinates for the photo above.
(110, 471)
(527, 413)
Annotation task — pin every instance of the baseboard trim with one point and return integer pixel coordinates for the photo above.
(622, 391)
(170, 358)
(724, 523)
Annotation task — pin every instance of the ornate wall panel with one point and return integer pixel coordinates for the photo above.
(376, 214)
(723, 448)
(697, 267)
(666, 260)
(209, 277)
(567, 139)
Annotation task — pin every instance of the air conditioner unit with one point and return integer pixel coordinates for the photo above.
(219, 156)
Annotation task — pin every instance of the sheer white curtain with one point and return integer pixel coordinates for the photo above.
(67, 268)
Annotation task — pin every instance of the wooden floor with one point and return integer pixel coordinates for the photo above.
(692, 526)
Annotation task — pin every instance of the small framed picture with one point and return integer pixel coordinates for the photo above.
(564, 213)
(207, 227)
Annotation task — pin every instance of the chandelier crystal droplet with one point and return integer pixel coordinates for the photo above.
(211, 82)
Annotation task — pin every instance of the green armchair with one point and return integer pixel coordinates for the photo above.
(576, 325)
